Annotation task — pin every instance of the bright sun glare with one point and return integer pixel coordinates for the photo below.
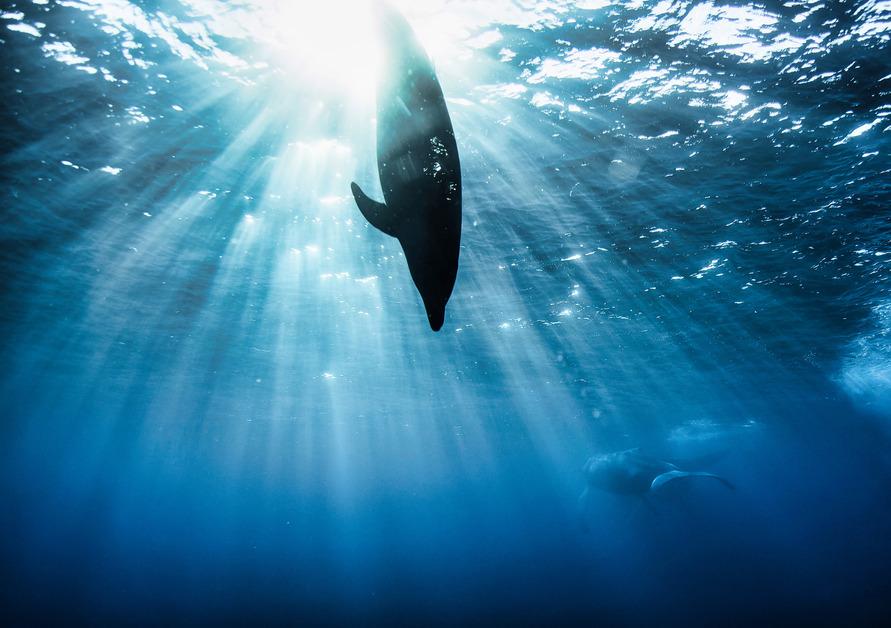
(330, 43)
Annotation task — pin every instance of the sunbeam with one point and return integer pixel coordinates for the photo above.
(222, 398)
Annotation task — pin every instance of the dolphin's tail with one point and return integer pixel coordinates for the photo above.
(661, 480)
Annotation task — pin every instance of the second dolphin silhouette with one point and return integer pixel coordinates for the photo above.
(417, 158)
(632, 473)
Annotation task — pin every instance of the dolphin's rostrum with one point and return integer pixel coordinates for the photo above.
(417, 159)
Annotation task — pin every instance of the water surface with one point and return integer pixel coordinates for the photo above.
(221, 398)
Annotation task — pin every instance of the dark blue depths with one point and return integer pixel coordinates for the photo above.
(220, 398)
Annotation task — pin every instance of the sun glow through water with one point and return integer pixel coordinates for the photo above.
(663, 230)
(329, 44)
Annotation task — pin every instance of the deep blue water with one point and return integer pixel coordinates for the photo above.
(221, 400)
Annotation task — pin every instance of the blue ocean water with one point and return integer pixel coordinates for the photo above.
(221, 400)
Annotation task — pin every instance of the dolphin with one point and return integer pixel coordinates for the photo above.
(417, 159)
(632, 473)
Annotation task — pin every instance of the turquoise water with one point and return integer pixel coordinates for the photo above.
(221, 398)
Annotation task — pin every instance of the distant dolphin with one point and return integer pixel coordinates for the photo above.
(632, 473)
(417, 159)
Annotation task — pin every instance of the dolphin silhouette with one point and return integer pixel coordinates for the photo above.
(632, 473)
(417, 159)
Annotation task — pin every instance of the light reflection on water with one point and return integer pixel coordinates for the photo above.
(674, 233)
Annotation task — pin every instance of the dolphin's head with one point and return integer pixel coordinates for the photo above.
(435, 311)
(432, 272)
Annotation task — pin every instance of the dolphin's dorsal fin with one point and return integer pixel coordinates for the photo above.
(378, 214)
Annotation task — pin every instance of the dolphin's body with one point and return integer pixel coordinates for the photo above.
(632, 473)
(417, 159)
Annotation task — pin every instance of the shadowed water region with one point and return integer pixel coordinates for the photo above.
(221, 398)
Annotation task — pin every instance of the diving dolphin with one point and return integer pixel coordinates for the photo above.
(632, 473)
(417, 159)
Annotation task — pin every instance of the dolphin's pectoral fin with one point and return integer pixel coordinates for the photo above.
(378, 214)
(661, 480)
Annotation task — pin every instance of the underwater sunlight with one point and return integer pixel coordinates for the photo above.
(659, 389)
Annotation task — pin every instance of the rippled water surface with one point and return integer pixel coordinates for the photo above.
(221, 398)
